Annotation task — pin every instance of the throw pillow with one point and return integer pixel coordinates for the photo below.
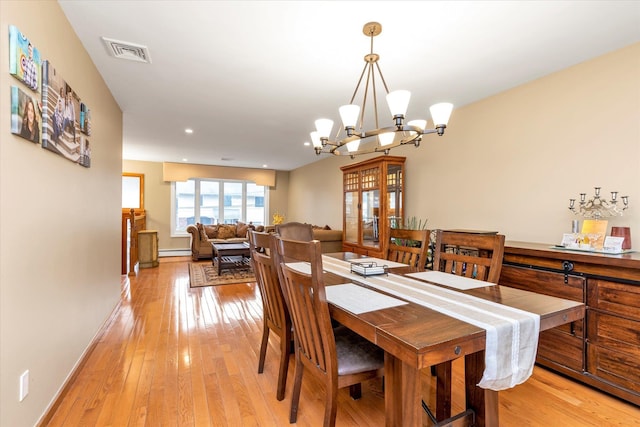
(241, 229)
(226, 231)
(211, 231)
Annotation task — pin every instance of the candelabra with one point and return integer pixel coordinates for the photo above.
(597, 208)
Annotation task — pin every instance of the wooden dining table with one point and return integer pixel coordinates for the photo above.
(415, 337)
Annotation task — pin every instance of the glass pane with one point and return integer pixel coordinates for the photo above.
(255, 203)
(232, 212)
(209, 202)
(394, 196)
(370, 217)
(351, 216)
(131, 192)
(185, 206)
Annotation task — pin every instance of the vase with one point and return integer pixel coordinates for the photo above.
(623, 232)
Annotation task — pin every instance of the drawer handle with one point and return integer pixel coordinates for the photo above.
(567, 266)
(457, 350)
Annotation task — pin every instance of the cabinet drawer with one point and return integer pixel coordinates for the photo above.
(616, 367)
(556, 346)
(614, 297)
(616, 333)
(543, 282)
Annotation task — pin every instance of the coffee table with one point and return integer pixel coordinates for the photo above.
(231, 255)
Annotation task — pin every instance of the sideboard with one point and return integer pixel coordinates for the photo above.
(603, 350)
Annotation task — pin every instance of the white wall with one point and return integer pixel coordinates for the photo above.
(59, 222)
(512, 161)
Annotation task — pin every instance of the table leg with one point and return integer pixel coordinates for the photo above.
(402, 393)
(483, 402)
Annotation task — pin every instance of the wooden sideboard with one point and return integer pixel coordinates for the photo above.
(603, 350)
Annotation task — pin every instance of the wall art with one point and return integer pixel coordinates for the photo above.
(26, 115)
(24, 59)
(61, 118)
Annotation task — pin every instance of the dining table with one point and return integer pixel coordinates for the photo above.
(416, 337)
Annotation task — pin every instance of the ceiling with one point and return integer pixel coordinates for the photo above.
(251, 77)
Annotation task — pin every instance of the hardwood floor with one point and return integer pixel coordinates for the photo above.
(172, 355)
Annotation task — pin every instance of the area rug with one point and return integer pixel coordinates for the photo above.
(205, 274)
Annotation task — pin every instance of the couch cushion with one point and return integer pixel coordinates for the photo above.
(211, 231)
(226, 231)
(241, 229)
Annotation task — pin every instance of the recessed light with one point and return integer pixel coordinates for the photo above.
(307, 143)
(188, 130)
(184, 160)
(264, 166)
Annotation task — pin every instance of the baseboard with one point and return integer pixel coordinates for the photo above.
(174, 252)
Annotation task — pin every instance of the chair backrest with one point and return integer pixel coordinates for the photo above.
(295, 231)
(307, 303)
(262, 249)
(474, 255)
(408, 247)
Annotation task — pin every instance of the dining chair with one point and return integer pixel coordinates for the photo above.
(473, 255)
(275, 314)
(336, 356)
(295, 231)
(468, 254)
(408, 247)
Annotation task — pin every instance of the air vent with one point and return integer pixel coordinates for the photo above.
(126, 50)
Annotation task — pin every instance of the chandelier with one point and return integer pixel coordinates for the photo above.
(596, 207)
(355, 139)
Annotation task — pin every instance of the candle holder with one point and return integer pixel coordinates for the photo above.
(598, 208)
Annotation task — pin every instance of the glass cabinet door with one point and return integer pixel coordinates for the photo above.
(351, 201)
(394, 196)
(371, 218)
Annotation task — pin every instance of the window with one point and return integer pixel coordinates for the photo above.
(216, 202)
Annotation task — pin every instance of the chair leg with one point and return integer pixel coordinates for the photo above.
(285, 341)
(263, 347)
(295, 395)
(331, 407)
(355, 391)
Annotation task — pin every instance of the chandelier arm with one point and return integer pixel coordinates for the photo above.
(355, 92)
(384, 83)
(364, 98)
(375, 96)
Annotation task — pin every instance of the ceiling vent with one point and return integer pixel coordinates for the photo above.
(126, 50)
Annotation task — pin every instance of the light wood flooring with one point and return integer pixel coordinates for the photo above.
(175, 356)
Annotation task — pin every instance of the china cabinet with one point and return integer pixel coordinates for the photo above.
(373, 201)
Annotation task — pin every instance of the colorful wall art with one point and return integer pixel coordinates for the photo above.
(24, 59)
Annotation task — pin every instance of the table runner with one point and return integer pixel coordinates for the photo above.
(511, 334)
(458, 282)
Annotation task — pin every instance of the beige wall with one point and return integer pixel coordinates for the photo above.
(512, 161)
(59, 222)
(157, 201)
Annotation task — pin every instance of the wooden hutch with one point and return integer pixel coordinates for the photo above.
(373, 201)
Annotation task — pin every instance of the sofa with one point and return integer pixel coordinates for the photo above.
(330, 240)
(203, 235)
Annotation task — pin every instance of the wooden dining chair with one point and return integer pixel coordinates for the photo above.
(408, 247)
(275, 314)
(295, 231)
(336, 356)
(473, 255)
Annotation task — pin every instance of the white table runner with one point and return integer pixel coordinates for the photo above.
(451, 280)
(511, 334)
